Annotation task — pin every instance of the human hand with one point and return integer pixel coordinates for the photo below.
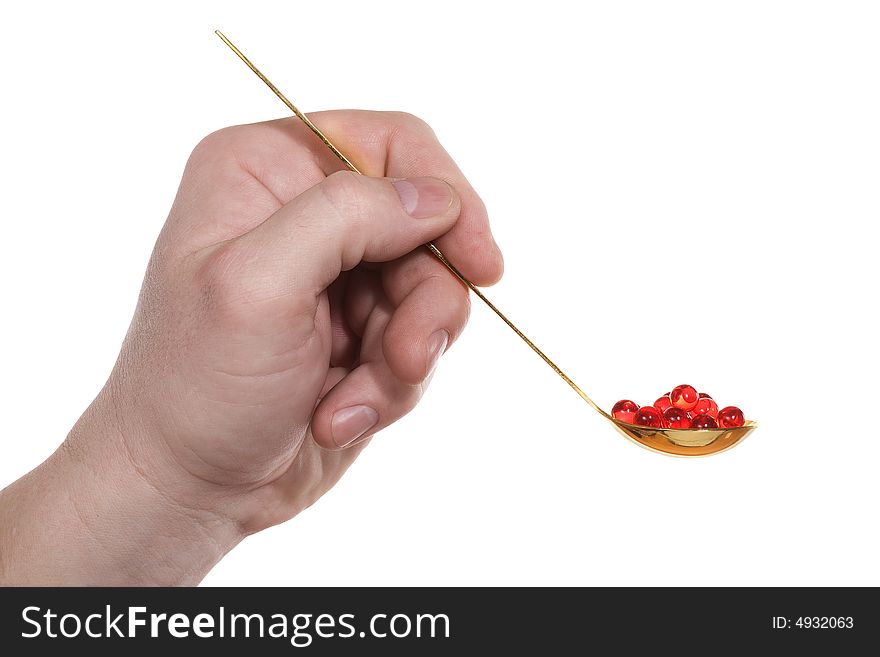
(288, 314)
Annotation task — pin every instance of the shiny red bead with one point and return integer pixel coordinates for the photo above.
(663, 403)
(730, 417)
(681, 408)
(675, 418)
(704, 422)
(648, 416)
(625, 410)
(705, 406)
(684, 397)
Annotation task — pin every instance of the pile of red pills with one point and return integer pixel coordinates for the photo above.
(683, 408)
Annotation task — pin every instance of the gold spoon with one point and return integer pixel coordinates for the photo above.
(679, 442)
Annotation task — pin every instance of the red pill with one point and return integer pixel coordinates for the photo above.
(684, 397)
(705, 406)
(705, 394)
(704, 422)
(648, 416)
(730, 417)
(676, 418)
(663, 403)
(624, 410)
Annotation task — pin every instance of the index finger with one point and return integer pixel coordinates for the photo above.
(399, 145)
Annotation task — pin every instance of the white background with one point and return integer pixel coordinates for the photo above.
(684, 191)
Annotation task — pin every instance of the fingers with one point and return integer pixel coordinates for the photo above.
(410, 320)
(432, 310)
(341, 221)
(400, 145)
(368, 399)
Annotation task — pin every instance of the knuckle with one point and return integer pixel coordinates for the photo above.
(343, 184)
(405, 122)
(218, 281)
(232, 144)
(412, 135)
(218, 142)
(410, 395)
(459, 308)
(346, 194)
(478, 210)
(234, 292)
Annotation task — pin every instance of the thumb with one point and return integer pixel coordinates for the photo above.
(347, 218)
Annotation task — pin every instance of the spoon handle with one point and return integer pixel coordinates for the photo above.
(430, 245)
(513, 327)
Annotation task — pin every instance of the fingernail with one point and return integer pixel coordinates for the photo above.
(436, 346)
(351, 423)
(423, 197)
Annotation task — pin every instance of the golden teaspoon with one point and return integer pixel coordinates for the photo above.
(679, 442)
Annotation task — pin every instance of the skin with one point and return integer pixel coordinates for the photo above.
(280, 293)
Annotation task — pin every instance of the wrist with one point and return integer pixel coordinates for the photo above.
(167, 527)
(93, 514)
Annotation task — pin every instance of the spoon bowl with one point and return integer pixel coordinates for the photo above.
(683, 442)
